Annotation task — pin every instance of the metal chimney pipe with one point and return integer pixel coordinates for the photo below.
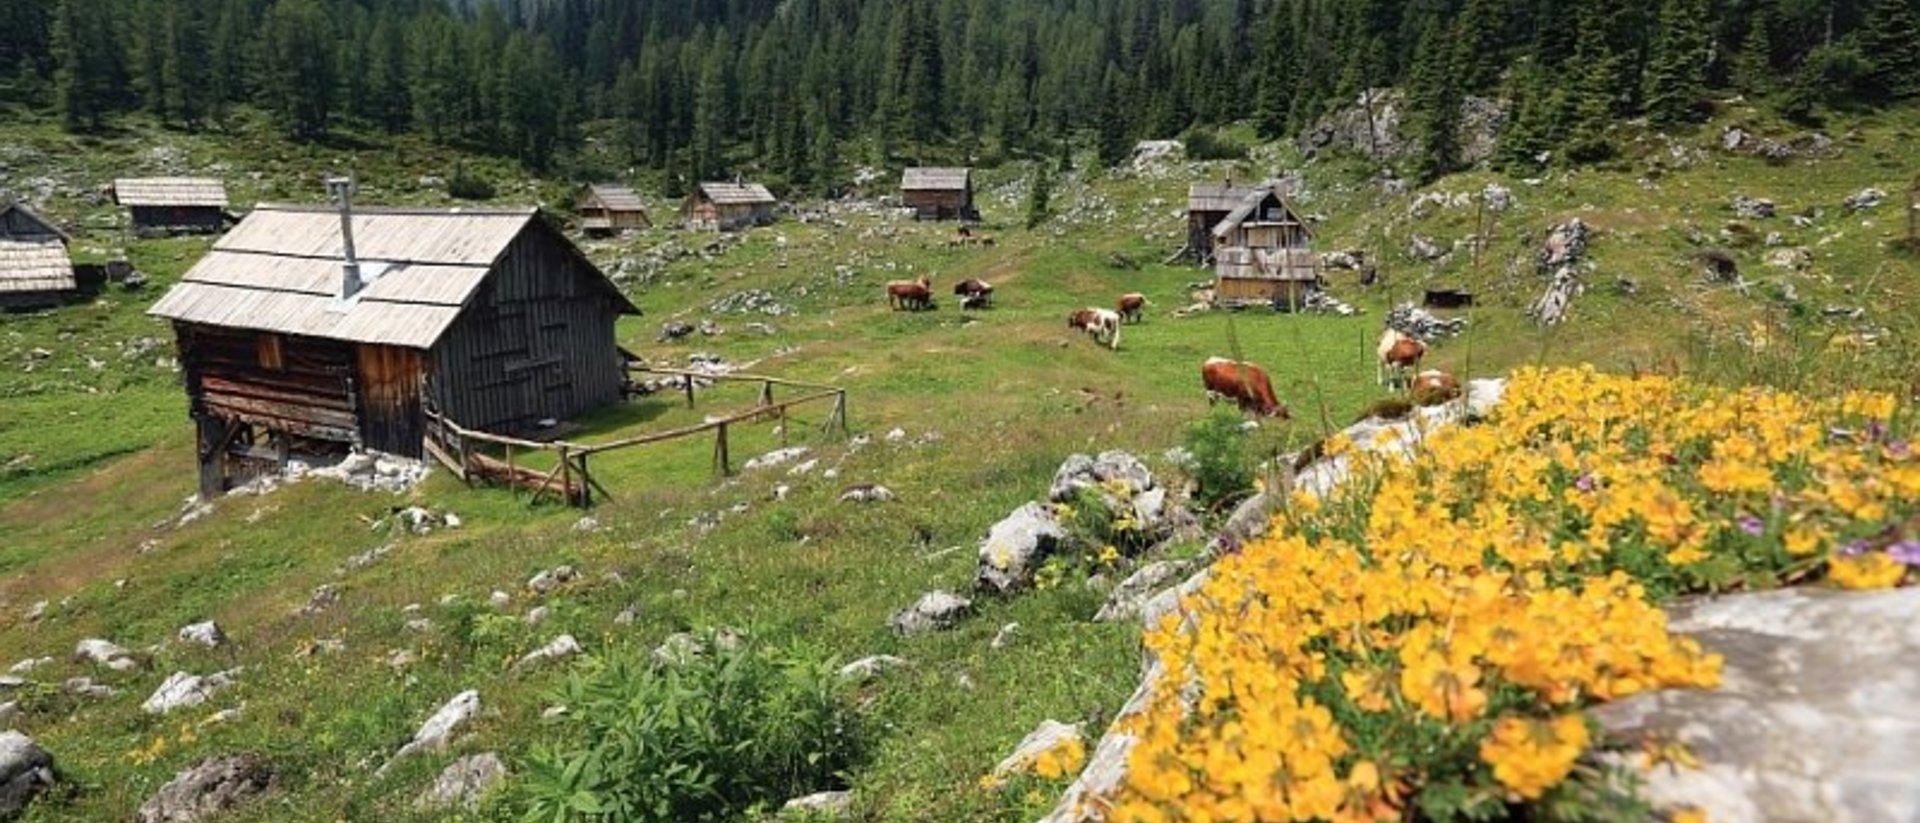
(342, 190)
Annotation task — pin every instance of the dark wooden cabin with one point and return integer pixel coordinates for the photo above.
(35, 271)
(939, 194)
(1263, 252)
(608, 210)
(173, 205)
(1207, 205)
(288, 341)
(728, 206)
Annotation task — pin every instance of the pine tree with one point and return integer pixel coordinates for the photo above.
(1890, 39)
(709, 119)
(1479, 44)
(92, 75)
(1590, 105)
(1676, 76)
(300, 70)
(229, 69)
(1433, 104)
(188, 75)
(1116, 142)
(1753, 67)
(1039, 195)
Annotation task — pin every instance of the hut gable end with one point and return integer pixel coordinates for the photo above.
(34, 267)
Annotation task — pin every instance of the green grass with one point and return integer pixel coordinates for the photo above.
(1010, 392)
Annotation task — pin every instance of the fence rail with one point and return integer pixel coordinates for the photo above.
(572, 480)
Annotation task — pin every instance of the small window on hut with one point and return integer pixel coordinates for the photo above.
(270, 355)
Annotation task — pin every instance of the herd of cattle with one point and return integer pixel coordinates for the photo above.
(1245, 384)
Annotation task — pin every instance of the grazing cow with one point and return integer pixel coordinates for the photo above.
(1434, 386)
(1400, 354)
(1244, 383)
(974, 294)
(1133, 307)
(912, 295)
(1102, 324)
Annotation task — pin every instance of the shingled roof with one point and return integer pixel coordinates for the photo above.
(737, 194)
(170, 191)
(35, 266)
(280, 269)
(613, 198)
(936, 179)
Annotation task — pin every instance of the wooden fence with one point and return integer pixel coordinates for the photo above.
(571, 479)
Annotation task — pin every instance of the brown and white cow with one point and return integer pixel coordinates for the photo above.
(974, 293)
(1133, 307)
(1102, 324)
(912, 295)
(1400, 354)
(1434, 386)
(1244, 383)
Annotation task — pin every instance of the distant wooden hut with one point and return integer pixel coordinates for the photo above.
(35, 271)
(173, 205)
(606, 210)
(939, 193)
(1207, 205)
(1262, 252)
(296, 334)
(728, 206)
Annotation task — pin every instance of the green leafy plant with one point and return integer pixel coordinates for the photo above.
(1223, 464)
(709, 738)
(465, 185)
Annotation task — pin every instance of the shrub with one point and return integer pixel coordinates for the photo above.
(1205, 144)
(1223, 465)
(466, 185)
(719, 735)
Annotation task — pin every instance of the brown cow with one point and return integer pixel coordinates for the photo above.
(1400, 354)
(1433, 386)
(1133, 307)
(1102, 324)
(912, 295)
(974, 294)
(1244, 383)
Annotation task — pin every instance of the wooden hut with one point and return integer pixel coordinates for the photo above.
(296, 333)
(606, 210)
(939, 193)
(728, 206)
(35, 271)
(1207, 205)
(1262, 252)
(173, 205)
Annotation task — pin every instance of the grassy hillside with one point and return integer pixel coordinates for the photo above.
(98, 459)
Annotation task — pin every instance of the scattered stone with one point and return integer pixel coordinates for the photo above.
(207, 789)
(364, 559)
(1051, 734)
(206, 633)
(827, 804)
(183, 690)
(537, 615)
(85, 687)
(401, 658)
(437, 732)
(1750, 208)
(586, 525)
(1016, 546)
(934, 611)
(776, 457)
(9, 713)
(1424, 248)
(26, 770)
(561, 648)
(463, 783)
(867, 668)
(674, 331)
(500, 599)
(1127, 600)
(37, 611)
(866, 493)
(1004, 637)
(104, 653)
(1798, 258)
(546, 581)
(29, 665)
(322, 599)
(627, 615)
(419, 625)
(1557, 300)
(1865, 199)
(1566, 244)
(897, 435)
(1497, 197)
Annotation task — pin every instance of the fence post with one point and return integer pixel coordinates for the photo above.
(566, 477)
(687, 379)
(586, 483)
(720, 459)
(783, 427)
(513, 476)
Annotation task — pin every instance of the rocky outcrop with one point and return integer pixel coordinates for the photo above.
(1128, 599)
(1375, 126)
(1016, 546)
(105, 653)
(868, 668)
(462, 783)
(1817, 716)
(210, 788)
(934, 611)
(1049, 735)
(26, 770)
(206, 633)
(437, 732)
(183, 690)
(821, 804)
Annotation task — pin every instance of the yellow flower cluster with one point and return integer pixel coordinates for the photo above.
(1062, 760)
(1442, 618)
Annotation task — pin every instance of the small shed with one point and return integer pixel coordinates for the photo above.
(728, 206)
(296, 334)
(606, 210)
(35, 271)
(1263, 252)
(939, 193)
(173, 205)
(1207, 205)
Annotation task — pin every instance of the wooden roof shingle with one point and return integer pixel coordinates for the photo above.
(170, 191)
(737, 194)
(281, 268)
(613, 198)
(936, 179)
(35, 266)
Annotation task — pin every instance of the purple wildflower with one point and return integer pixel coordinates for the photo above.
(1753, 526)
(1900, 450)
(1855, 548)
(1876, 430)
(1906, 552)
(1585, 483)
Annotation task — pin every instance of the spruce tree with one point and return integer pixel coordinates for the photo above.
(90, 82)
(1116, 141)
(300, 67)
(1433, 105)
(1753, 66)
(1676, 75)
(1890, 39)
(1040, 194)
(1478, 45)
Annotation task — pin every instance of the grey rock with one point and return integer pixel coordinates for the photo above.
(105, 653)
(1048, 735)
(438, 731)
(776, 457)
(1497, 197)
(1566, 244)
(26, 770)
(934, 611)
(1127, 600)
(182, 690)
(1016, 546)
(37, 611)
(587, 525)
(10, 712)
(867, 668)
(1791, 259)
(500, 599)
(536, 615)
(209, 788)
(1751, 208)
(1424, 248)
(822, 804)
(206, 633)
(560, 648)
(1004, 637)
(627, 615)
(1802, 727)
(866, 493)
(29, 664)
(322, 599)
(1865, 199)
(86, 687)
(546, 581)
(463, 783)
